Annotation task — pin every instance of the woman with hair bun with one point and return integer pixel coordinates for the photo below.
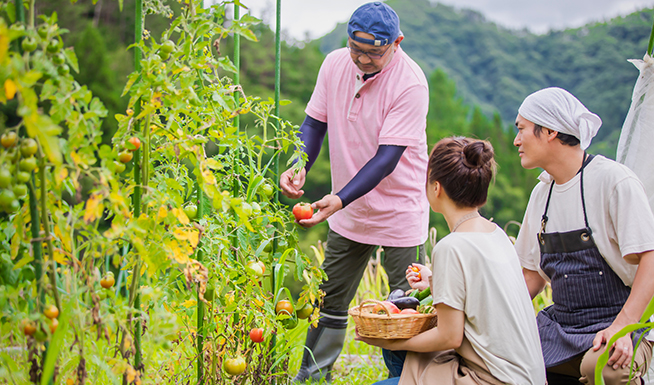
(486, 331)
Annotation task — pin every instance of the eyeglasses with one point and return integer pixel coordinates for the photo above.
(371, 55)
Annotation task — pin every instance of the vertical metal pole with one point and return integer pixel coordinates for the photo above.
(237, 63)
(136, 198)
(650, 46)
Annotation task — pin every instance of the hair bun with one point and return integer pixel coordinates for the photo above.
(476, 154)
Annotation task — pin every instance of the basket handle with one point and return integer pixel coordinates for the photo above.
(388, 312)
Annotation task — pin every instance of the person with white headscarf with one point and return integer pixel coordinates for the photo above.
(588, 231)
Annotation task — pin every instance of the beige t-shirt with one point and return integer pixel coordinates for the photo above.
(479, 274)
(618, 213)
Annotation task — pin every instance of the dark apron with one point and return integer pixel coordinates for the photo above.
(587, 294)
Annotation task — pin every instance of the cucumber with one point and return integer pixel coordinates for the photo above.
(414, 293)
(427, 301)
(424, 294)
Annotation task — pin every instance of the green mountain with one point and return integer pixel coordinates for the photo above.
(495, 67)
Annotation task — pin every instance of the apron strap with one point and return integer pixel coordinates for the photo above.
(544, 219)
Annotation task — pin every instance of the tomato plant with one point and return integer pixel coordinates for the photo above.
(182, 278)
(302, 211)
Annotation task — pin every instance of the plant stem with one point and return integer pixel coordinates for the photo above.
(200, 307)
(46, 230)
(37, 246)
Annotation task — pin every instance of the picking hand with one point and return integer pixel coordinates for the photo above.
(291, 183)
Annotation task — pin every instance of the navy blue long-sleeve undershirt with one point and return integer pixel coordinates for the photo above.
(371, 174)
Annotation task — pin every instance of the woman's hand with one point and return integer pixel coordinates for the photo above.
(379, 342)
(418, 280)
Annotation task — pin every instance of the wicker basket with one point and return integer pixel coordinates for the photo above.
(389, 326)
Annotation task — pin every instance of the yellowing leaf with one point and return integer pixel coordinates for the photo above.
(189, 303)
(61, 175)
(76, 158)
(214, 164)
(60, 257)
(192, 236)
(10, 89)
(181, 216)
(163, 212)
(178, 252)
(94, 208)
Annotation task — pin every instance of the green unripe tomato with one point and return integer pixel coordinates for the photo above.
(6, 197)
(267, 190)
(5, 178)
(164, 55)
(20, 190)
(54, 46)
(63, 70)
(28, 147)
(22, 177)
(17, 27)
(28, 44)
(59, 59)
(119, 167)
(168, 46)
(43, 31)
(27, 164)
(191, 211)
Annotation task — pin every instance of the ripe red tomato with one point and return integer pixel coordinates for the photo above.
(134, 143)
(256, 335)
(380, 309)
(51, 312)
(417, 270)
(285, 306)
(302, 211)
(408, 311)
(28, 327)
(235, 365)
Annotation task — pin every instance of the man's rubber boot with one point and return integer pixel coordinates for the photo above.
(323, 346)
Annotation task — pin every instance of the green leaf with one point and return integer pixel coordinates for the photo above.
(649, 311)
(71, 58)
(227, 64)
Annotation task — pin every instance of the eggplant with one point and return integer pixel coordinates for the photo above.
(406, 303)
(395, 294)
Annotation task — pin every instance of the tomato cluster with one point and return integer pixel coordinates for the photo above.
(17, 164)
(36, 329)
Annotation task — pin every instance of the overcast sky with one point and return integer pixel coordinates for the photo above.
(315, 18)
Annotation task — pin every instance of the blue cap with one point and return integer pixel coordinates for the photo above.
(377, 19)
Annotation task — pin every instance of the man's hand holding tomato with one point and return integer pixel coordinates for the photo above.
(291, 183)
(327, 206)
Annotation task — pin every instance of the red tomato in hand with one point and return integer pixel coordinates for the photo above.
(417, 270)
(256, 335)
(302, 211)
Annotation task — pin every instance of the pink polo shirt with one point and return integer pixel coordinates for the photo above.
(387, 109)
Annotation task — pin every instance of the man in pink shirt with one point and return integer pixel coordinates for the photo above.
(373, 100)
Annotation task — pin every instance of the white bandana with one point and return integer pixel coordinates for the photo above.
(558, 110)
